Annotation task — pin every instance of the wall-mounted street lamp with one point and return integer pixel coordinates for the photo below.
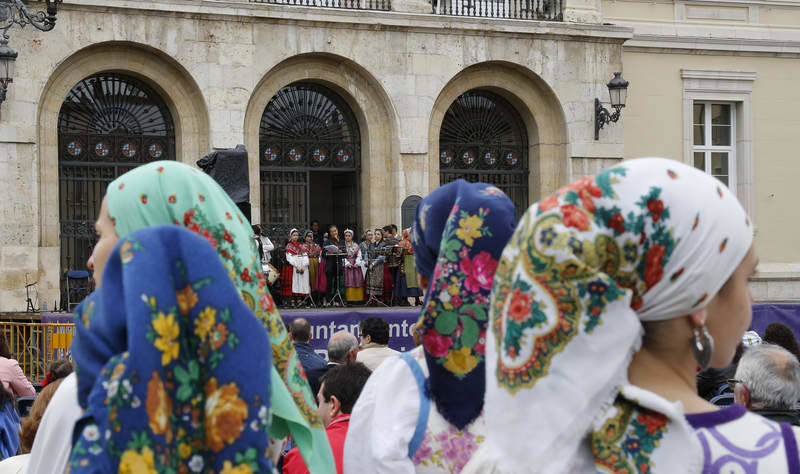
(618, 92)
(14, 12)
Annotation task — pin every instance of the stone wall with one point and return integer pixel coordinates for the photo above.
(218, 64)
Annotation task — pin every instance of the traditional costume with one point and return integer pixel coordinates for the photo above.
(353, 279)
(316, 278)
(407, 285)
(375, 275)
(297, 257)
(168, 192)
(647, 240)
(159, 353)
(432, 397)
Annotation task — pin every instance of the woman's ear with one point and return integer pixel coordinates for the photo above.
(698, 318)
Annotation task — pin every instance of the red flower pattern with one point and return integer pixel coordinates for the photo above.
(656, 207)
(143, 198)
(436, 344)
(549, 203)
(479, 271)
(652, 421)
(520, 307)
(227, 237)
(653, 270)
(617, 222)
(172, 199)
(246, 275)
(574, 217)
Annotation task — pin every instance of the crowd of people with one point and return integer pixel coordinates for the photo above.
(606, 331)
(316, 269)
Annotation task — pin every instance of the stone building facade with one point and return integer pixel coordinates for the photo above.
(400, 78)
(216, 66)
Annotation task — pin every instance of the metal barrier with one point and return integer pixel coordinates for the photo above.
(35, 345)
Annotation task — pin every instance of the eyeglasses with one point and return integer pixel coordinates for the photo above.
(732, 383)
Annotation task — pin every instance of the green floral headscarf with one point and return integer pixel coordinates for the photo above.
(167, 192)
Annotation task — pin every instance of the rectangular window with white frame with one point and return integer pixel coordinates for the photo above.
(714, 140)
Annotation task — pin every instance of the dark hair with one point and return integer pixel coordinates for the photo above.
(394, 228)
(301, 330)
(314, 222)
(256, 230)
(376, 328)
(782, 335)
(345, 381)
(332, 226)
(58, 370)
(5, 350)
(387, 228)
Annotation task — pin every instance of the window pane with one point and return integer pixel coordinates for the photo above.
(699, 114)
(721, 114)
(719, 164)
(700, 160)
(720, 135)
(699, 135)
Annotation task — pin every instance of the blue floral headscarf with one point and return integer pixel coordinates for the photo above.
(458, 236)
(177, 363)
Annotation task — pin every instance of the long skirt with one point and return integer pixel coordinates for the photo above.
(388, 284)
(375, 280)
(353, 283)
(402, 290)
(321, 281)
(287, 274)
(300, 286)
(313, 274)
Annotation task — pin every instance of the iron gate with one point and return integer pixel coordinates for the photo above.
(483, 138)
(108, 124)
(307, 128)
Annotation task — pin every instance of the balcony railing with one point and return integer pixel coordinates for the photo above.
(385, 5)
(549, 10)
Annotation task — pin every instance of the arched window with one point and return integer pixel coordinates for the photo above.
(108, 124)
(483, 138)
(310, 155)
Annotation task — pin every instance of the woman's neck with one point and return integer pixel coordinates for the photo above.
(670, 374)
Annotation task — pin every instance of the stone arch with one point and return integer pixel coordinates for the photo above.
(539, 108)
(167, 77)
(374, 112)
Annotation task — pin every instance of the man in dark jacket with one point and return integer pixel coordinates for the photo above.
(314, 365)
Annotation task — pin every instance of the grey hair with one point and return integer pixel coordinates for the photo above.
(339, 347)
(773, 384)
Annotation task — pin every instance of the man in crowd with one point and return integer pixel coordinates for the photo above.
(768, 383)
(340, 389)
(342, 348)
(318, 237)
(314, 365)
(374, 333)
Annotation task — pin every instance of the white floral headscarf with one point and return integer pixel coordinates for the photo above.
(648, 240)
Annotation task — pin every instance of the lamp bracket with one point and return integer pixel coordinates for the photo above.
(14, 12)
(602, 116)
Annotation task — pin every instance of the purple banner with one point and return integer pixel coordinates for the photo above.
(325, 323)
(786, 313)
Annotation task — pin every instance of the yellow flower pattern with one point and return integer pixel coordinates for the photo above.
(469, 229)
(168, 331)
(461, 361)
(228, 468)
(205, 322)
(133, 462)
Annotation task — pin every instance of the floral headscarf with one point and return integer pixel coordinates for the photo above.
(178, 364)
(458, 235)
(167, 192)
(648, 240)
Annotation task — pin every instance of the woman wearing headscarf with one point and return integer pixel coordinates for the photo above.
(297, 257)
(353, 279)
(407, 286)
(314, 251)
(377, 260)
(173, 367)
(421, 411)
(168, 192)
(608, 298)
